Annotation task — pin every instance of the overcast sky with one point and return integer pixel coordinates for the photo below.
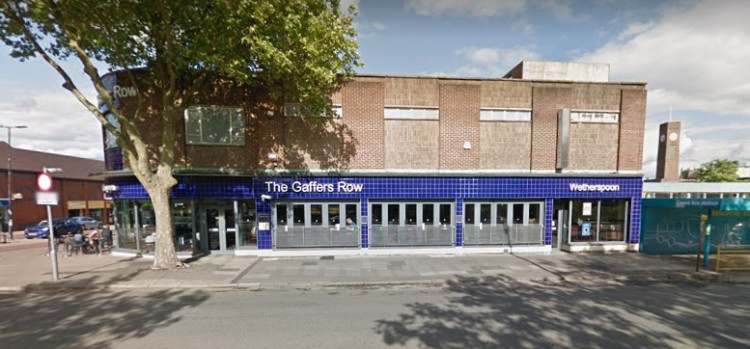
(693, 55)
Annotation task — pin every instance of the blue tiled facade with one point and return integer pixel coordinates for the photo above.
(364, 189)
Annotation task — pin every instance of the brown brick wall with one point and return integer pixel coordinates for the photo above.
(459, 122)
(595, 97)
(412, 144)
(504, 145)
(411, 92)
(316, 144)
(363, 106)
(593, 146)
(632, 124)
(506, 94)
(547, 100)
(359, 139)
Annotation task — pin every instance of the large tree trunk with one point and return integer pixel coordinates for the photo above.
(165, 256)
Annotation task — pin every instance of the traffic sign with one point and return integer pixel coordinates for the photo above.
(44, 181)
(50, 198)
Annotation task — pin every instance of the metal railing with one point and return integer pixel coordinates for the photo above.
(412, 236)
(296, 237)
(475, 235)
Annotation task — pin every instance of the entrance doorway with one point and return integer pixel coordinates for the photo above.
(560, 223)
(220, 229)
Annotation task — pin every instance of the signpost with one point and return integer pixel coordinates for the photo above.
(45, 196)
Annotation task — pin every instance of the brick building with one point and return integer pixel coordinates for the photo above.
(80, 193)
(547, 157)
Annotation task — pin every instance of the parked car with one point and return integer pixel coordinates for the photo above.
(61, 226)
(87, 222)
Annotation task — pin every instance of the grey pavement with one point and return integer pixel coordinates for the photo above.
(24, 267)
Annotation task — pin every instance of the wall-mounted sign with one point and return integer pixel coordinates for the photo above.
(314, 187)
(124, 91)
(586, 209)
(594, 187)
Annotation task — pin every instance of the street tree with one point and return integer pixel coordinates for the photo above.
(719, 170)
(169, 50)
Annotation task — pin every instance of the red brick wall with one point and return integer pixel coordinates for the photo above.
(358, 140)
(632, 124)
(547, 100)
(363, 104)
(593, 146)
(459, 122)
(27, 212)
(412, 92)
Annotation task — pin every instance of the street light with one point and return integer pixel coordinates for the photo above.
(10, 195)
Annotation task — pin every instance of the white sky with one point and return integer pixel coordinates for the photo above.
(693, 55)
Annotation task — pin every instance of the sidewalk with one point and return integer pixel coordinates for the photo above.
(24, 267)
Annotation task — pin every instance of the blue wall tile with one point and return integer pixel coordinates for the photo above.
(366, 189)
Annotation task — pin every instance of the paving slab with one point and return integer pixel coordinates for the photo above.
(25, 266)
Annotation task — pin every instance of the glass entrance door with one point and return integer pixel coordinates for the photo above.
(221, 229)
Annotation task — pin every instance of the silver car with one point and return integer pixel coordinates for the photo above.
(87, 222)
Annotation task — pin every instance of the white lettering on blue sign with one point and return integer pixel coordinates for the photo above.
(594, 187)
(314, 187)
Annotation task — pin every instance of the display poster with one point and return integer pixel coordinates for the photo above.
(586, 208)
(586, 229)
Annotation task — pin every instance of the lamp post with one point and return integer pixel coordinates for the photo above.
(10, 194)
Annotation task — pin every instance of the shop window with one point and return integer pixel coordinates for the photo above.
(334, 216)
(411, 214)
(502, 214)
(394, 214)
(298, 110)
(612, 219)
(298, 213)
(377, 214)
(469, 214)
(182, 219)
(110, 138)
(206, 125)
(316, 214)
(485, 213)
(281, 214)
(534, 211)
(517, 213)
(446, 214)
(428, 212)
(351, 214)
(411, 113)
(583, 227)
(246, 224)
(487, 114)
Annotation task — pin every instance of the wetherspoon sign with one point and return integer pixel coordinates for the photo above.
(594, 187)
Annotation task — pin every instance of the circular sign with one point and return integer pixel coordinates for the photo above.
(44, 181)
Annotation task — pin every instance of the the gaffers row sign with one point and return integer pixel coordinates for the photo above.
(594, 187)
(124, 91)
(314, 187)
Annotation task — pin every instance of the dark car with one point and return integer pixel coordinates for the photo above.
(87, 222)
(61, 226)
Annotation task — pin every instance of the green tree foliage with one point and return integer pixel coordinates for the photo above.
(292, 48)
(720, 170)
